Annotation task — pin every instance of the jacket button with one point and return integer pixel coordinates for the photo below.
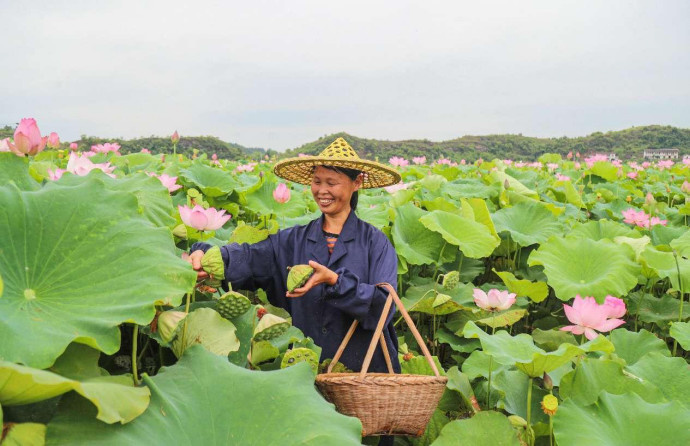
(324, 330)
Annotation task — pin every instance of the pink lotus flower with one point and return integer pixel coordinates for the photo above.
(463, 162)
(560, 177)
(520, 164)
(494, 300)
(73, 146)
(686, 160)
(569, 155)
(175, 138)
(552, 166)
(53, 141)
(637, 218)
(665, 164)
(588, 317)
(657, 221)
(598, 157)
(302, 155)
(281, 194)
(396, 187)
(444, 161)
(27, 138)
(508, 162)
(166, 180)
(245, 167)
(617, 163)
(419, 160)
(107, 147)
(632, 175)
(5, 145)
(54, 176)
(398, 161)
(646, 164)
(203, 219)
(685, 187)
(214, 157)
(146, 151)
(81, 165)
(577, 165)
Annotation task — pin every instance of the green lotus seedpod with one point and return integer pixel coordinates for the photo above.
(270, 326)
(168, 321)
(301, 354)
(298, 276)
(180, 231)
(212, 263)
(339, 367)
(451, 280)
(232, 304)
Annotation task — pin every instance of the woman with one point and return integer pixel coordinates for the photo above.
(349, 257)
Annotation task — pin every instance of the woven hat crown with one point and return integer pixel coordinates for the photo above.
(339, 149)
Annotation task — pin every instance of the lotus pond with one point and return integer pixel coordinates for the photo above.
(550, 293)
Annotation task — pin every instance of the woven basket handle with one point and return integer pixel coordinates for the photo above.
(378, 336)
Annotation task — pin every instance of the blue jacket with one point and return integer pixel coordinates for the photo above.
(363, 256)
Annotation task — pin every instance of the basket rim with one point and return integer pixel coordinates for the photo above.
(375, 376)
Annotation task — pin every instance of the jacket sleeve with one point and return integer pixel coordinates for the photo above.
(365, 301)
(247, 266)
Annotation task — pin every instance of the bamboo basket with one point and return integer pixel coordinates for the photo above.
(385, 403)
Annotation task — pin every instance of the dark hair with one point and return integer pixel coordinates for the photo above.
(351, 174)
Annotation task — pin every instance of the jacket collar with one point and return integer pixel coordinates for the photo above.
(319, 249)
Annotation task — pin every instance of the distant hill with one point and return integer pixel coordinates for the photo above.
(627, 144)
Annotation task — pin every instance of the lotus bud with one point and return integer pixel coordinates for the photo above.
(175, 138)
(168, 321)
(506, 184)
(517, 421)
(649, 199)
(53, 141)
(180, 231)
(298, 276)
(27, 138)
(685, 187)
(281, 194)
(548, 382)
(73, 146)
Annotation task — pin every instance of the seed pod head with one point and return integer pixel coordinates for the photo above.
(180, 231)
(270, 326)
(339, 367)
(298, 276)
(301, 354)
(212, 263)
(168, 322)
(451, 280)
(232, 304)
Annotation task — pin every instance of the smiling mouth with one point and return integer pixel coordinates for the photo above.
(325, 202)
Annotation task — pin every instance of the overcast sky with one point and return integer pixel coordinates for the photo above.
(277, 74)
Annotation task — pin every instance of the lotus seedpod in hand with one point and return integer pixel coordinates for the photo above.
(301, 354)
(168, 321)
(232, 304)
(270, 326)
(339, 367)
(451, 280)
(212, 263)
(298, 276)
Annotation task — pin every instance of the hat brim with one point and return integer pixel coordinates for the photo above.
(300, 170)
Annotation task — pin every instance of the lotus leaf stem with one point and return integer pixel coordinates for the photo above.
(682, 295)
(135, 336)
(529, 403)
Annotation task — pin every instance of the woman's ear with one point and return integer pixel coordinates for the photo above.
(358, 181)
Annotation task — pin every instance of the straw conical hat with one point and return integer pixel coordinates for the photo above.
(338, 154)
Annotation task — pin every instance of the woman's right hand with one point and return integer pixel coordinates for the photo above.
(195, 260)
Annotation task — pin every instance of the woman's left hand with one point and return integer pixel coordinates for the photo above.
(321, 275)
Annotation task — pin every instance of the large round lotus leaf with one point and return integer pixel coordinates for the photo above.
(377, 215)
(664, 264)
(154, 199)
(502, 319)
(77, 262)
(484, 429)
(228, 405)
(478, 364)
(605, 170)
(592, 376)
(481, 213)
(474, 239)
(527, 222)
(621, 419)
(245, 233)
(586, 267)
(211, 181)
(261, 201)
(24, 434)
(413, 241)
(669, 374)
(603, 229)
(680, 331)
(682, 245)
(469, 188)
(659, 310)
(206, 327)
(513, 386)
(536, 291)
(16, 169)
(515, 186)
(520, 350)
(631, 345)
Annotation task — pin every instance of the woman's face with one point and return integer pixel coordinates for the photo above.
(332, 190)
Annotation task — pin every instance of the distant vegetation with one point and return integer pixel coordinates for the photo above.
(627, 144)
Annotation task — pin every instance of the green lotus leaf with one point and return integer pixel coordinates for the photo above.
(422, 298)
(224, 401)
(413, 241)
(477, 365)
(638, 245)
(513, 386)
(481, 213)
(484, 429)
(433, 429)
(261, 201)
(664, 264)
(665, 235)
(503, 319)
(206, 327)
(16, 169)
(605, 170)
(153, 198)
(682, 245)
(114, 396)
(97, 264)
(211, 181)
(440, 204)
(621, 419)
(631, 346)
(520, 350)
(469, 188)
(377, 216)
(245, 233)
(680, 331)
(586, 267)
(460, 383)
(592, 376)
(401, 197)
(24, 434)
(515, 186)
(603, 229)
(550, 340)
(527, 223)
(572, 196)
(658, 310)
(432, 182)
(669, 374)
(536, 291)
(418, 365)
(473, 239)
